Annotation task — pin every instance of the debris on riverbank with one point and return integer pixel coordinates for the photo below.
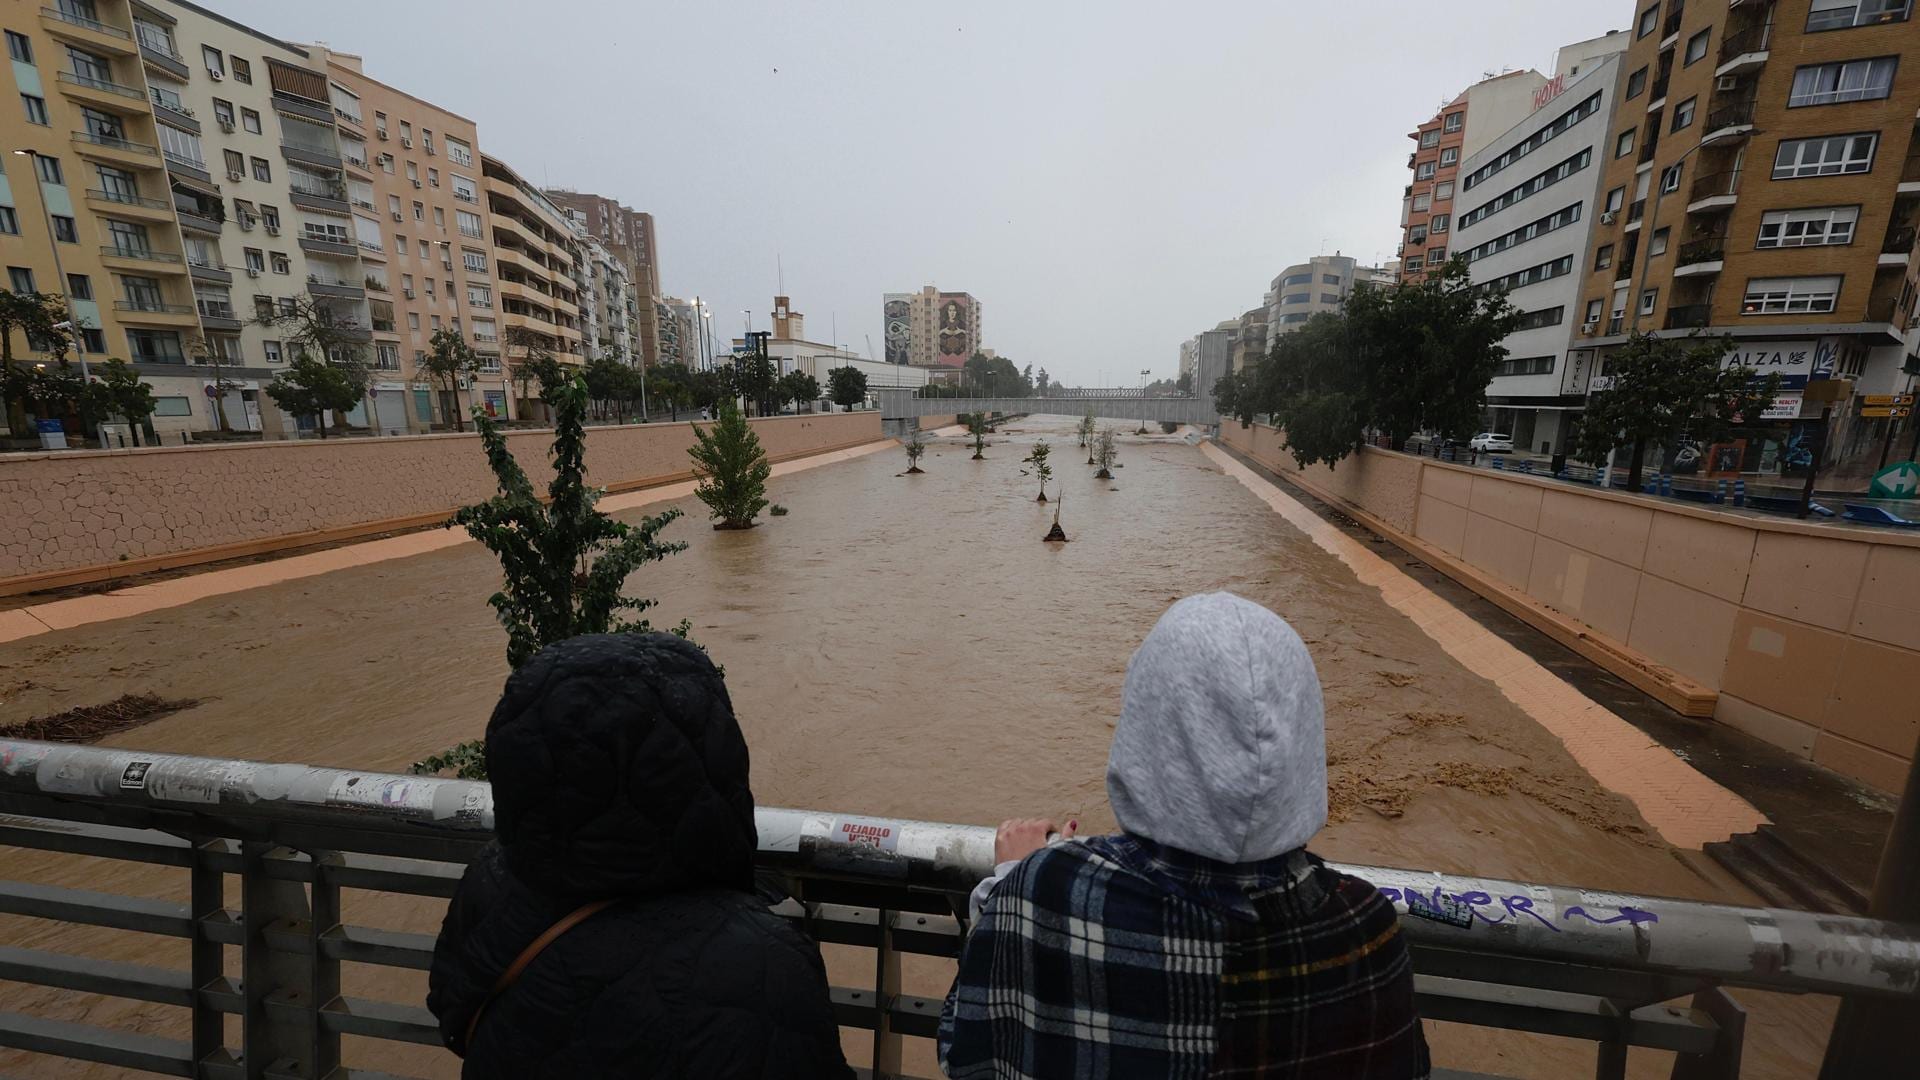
(90, 723)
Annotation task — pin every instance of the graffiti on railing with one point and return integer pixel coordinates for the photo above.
(1461, 909)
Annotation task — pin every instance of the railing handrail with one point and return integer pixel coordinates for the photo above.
(1760, 947)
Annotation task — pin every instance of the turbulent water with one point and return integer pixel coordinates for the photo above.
(896, 645)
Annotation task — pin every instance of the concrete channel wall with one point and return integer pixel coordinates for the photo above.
(89, 515)
(1807, 636)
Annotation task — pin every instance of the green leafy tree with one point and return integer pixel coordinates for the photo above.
(711, 388)
(117, 390)
(1664, 387)
(535, 366)
(36, 315)
(312, 387)
(49, 390)
(798, 387)
(1226, 397)
(1184, 384)
(449, 358)
(847, 386)
(732, 469)
(564, 562)
(611, 387)
(915, 448)
(1106, 450)
(1041, 383)
(753, 379)
(670, 384)
(1037, 458)
(977, 427)
(1086, 430)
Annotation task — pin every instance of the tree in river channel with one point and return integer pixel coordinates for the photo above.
(732, 470)
(1665, 387)
(1086, 431)
(565, 562)
(1418, 357)
(915, 449)
(977, 427)
(1038, 459)
(1105, 451)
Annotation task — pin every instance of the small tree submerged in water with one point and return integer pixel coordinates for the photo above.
(1086, 433)
(564, 563)
(915, 448)
(732, 468)
(1105, 450)
(1038, 459)
(977, 427)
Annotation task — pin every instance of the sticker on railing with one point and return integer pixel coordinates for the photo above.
(134, 776)
(184, 781)
(867, 832)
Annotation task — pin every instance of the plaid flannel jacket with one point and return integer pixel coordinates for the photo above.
(1119, 957)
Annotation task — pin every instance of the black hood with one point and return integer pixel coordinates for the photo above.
(619, 770)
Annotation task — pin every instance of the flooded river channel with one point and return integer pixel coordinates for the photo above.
(901, 646)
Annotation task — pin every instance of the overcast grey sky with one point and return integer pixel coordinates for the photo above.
(1107, 178)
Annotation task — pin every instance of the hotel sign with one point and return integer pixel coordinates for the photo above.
(1553, 89)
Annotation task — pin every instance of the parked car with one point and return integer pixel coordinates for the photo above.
(1488, 442)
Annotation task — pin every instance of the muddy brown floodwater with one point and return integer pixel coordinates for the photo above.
(899, 646)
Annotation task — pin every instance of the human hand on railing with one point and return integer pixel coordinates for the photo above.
(1021, 837)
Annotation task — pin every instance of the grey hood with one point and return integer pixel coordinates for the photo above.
(1221, 749)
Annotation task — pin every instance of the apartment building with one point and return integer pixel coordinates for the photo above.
(1250, 339)
(536, 265)
(629, 235)
(1526, 206)
(680, 332)
(414, 185)
(88, 170)
(1763, 182)
(609, 311)
(931, 327)
(1321, 284)
(1458, 129)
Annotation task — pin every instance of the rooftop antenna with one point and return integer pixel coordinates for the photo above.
(780, 274)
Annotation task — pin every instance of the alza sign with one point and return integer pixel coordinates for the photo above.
(1791, 360)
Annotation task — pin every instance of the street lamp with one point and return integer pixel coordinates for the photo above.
(66, 290)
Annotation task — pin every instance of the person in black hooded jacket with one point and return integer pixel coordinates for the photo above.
(619, 774)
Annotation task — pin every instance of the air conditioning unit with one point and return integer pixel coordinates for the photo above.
(253, 271)
(406, 142)
(273, 230)
(430, 150)
(398, 216)
(1607, 217)
(1589, 329)
(1727, 82)
(214, 74)
(226, 126)
(236, 174)
(246, 224)
(408, 293)
(382, 133)
(416, 183)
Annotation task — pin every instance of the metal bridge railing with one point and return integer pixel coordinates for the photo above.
(287, 840)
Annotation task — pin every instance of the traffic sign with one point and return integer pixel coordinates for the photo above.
(1887, 399)
(1900, 480)
(1895, 411)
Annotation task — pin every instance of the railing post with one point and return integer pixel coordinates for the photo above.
(206, 902)
(886, 988)
(323, 982)
(276, 1036)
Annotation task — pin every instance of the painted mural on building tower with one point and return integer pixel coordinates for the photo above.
(898, 315)
(952, 336)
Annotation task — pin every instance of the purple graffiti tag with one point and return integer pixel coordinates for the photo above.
(1521, 905)
(1632, 915)
(1476, 900)
(1391, 894)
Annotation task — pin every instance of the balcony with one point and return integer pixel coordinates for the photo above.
(145, 312)
(189, 168)
(218, 315)
(1671, 25)
(129, 206)
(198, 221)
(319, 286)
(157, 53)
(1702, 255)
(208, 270)
(374, 284)
(321, 244)
(1615, 324)
(87, 33)
(179, 116)
(1910, 176)
(1897, 249)
(327, 200)
(1657, 93)
(1733, 120)
(306, 109)
(133, 257)
(1647, 147)
(1714, 191)
(108, 95)
(1688, 316)
(1744, 50)
(1636, 210)
(353, 124)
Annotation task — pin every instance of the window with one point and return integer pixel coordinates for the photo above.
(243, 70)
(479, 296)
(413, 171)
(1449, 156)
(1670, 179)
(1814, 227)
(19, 47)
(64, 229)
(1295, 279)
(236, 163)
(288, 306)
(1658, 246)
(426, 252)
(1603, 258)
(1853, 80)
(475, 261)
(386, 164)
(1424, 171)
(1593, 310)
(1532, 275)
(406, 131)
(9, 221)
(459, 152)
(1329, 279)
(1623, 145)
(143, 293)
(1436, 256)
(256, 259)
(1649, 19)
(1538, 183)
(271, 350)
(180, 145)
(1649, 299)
(399, 244)
(1429, 139)
(1414, 262)
(1697, 47)
(1422, 203)
(223, 111)
(243, 214)
(250, 120)
(1455, 121)
(1637, 84)
(413, 320)
(1683, 114)
(1843, 14)
(172, 406)
(48, 168)
(433, 320)
(216, 63)
(262, 170)
(1775, 296)
(270, 216)
(128, 238)
(1525, 365)
(1417, 234)
(1296, 298)
(20, 279)
(1443, 190)
(80, 286)
(1329, 298)
(281, 264)
(428, 283)
(1439, 223)
(463, 189)
(155, 347)
(36, 109)
(440, 218)
(468, 222)
(420, 214)
(1828, 155)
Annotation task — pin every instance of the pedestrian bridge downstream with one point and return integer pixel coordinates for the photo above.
(1118, 404)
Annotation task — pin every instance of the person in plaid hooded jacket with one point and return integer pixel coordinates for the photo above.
(1203, 940)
